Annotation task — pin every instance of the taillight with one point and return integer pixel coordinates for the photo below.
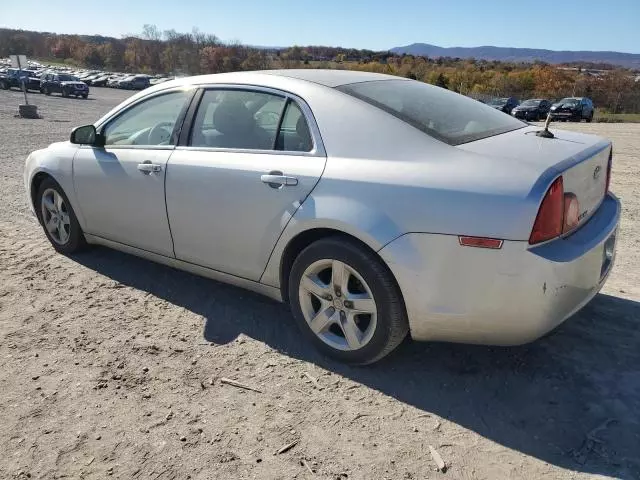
(550, 219)
(609, 171)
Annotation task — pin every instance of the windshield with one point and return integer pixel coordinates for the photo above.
(498, 101)
(569, 101)
(530, 103)
(67, 78)
(447, 116)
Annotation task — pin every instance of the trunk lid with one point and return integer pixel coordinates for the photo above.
(581, 159)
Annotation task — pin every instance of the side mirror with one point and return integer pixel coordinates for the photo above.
(86, 135)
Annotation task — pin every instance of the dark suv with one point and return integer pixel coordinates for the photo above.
(573, 108)
(532, 109)
(504, 104)
(66, 85)
(14, 78)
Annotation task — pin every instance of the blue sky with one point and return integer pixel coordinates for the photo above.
(374, 24)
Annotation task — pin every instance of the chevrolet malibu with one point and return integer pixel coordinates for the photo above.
(375, 206)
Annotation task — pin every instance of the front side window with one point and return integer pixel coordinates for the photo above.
(151, 122)
(447, 116)
(237, 119)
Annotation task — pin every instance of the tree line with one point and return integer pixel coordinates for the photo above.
(171, 52)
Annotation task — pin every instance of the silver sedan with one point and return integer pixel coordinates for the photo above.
(376, 206)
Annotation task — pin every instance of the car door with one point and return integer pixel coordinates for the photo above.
(589, 108)
(584, 109)
(120, 188)
(251, 159)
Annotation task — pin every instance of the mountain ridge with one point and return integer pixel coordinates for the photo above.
(529, 55)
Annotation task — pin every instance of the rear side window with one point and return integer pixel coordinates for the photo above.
(237, 119)
(447, 116)
(250, 120)
(294, 134)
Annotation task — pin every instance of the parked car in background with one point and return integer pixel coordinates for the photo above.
(15, 77)
(90, 78)
(532, 109)
(100, 81)
(574, 109)
(135, 82)
(456, 223)
(504, 104)
(114, 80)
(66, 85)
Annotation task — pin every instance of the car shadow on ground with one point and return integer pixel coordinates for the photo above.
(571, 399)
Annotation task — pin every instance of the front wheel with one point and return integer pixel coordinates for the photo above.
(58, 219)
(590, 118)
(346, 301)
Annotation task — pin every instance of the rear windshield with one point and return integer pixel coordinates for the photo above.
(447, 116)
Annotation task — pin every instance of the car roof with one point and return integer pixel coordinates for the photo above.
(327, 78)
(331, 78)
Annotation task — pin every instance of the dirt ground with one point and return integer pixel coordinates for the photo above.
(111, 366)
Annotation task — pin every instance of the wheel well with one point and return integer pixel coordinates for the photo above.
(302, 241)
(35, 186)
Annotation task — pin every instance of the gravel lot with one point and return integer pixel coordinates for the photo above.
(111, 366)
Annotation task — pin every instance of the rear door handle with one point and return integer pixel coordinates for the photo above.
(148, 167)
(276, 179)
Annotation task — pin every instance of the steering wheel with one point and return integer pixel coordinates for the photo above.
(160, 133)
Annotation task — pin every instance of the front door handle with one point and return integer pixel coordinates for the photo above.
(276, 179)
(147, 167)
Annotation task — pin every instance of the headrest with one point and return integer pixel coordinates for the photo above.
(233, 117)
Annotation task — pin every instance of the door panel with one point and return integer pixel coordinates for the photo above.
(221, 213)
(120, 202)
(252, 162)
(120, 187)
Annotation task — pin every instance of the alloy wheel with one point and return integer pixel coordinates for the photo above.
(337, 304)
(55, 216)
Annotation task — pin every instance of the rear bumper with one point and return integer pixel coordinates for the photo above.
(509, 296)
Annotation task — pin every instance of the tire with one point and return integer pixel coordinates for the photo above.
(590, 118)
(375, 335)
(47, 91)
(85, 96)
(4, 85)
(64, 93)
(72, 240)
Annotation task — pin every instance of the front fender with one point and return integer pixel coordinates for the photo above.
(55, 161)
(346, 215)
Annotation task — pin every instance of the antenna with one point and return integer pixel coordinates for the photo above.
(545, 133)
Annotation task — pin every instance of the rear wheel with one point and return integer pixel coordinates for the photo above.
(590, 118)
(85, 96)
(58, 219)
(346, 301)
